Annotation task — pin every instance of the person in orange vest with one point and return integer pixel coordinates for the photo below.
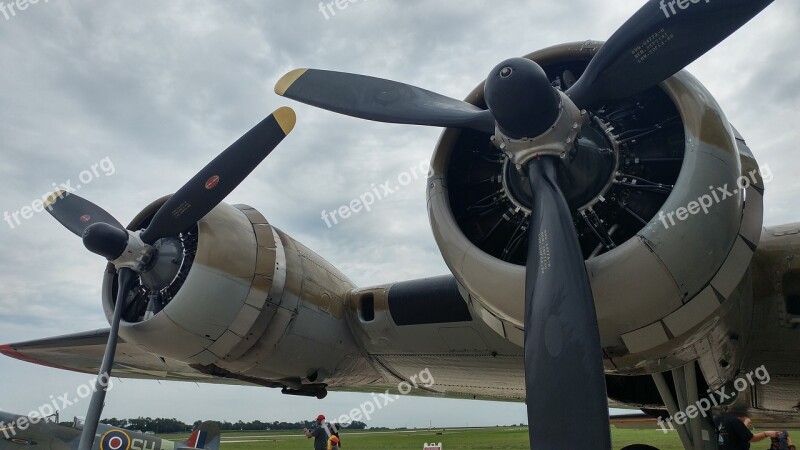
(333, 443)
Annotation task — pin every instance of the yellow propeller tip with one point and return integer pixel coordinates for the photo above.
(286, 118)
(287, 80)
(53, 197)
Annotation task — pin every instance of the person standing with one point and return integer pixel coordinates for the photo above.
(733, 433)
(782, 442)
(319, 434)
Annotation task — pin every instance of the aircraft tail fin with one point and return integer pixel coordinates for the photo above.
(206, 437)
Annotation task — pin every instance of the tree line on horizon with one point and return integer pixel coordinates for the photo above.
(163, 425)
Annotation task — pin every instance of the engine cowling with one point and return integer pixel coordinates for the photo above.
(237, 298)
(657, 273)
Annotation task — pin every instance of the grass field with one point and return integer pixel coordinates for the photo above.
(474, 438)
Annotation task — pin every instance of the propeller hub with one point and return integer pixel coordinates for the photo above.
(586, 176)
(521, 98)
(557, 140)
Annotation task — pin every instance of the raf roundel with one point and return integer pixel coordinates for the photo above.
(115, 440)
(85, 218)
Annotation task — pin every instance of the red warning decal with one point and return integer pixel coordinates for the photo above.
(212, 182)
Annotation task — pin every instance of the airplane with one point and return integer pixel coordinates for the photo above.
(601, 218)
(19, 432)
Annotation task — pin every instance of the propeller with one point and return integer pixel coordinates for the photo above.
(659, 40)
(131, 252)
(220, 177)
(662, 38)
(125, 280)
(564, 380)
(76, 213)
(380, 100)
(536, 125)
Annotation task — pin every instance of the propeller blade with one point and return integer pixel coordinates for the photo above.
(381, 100)
(126, 278)
(564, 382)
(662, 38)
(76, 213)
(221, 176)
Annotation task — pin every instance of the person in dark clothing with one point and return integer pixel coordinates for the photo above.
(782, 442)
(319, 434)
(733, 433)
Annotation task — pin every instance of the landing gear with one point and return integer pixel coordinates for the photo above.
(696, 430)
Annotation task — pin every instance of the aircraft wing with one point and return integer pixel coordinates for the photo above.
(83, 352)
(41, 434)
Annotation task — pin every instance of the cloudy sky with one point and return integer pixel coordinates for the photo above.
(157, 89)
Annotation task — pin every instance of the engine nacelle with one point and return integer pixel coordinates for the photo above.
(657, 273)
(237, 298)
(225, 278)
